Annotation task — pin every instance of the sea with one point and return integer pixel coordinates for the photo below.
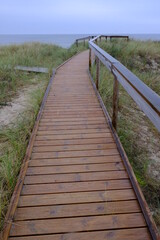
(62, 40)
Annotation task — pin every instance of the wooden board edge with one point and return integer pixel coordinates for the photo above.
(143, 204)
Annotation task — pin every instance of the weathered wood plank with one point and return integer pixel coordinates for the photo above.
(76, 210)
(64, 225)
(73, 147)
(75, 187)
(72, 115)
(78, 120)
(75, 131)
(118, 166)
(70, 154)
(32, 69)
(74, 136)
(125, 234)
(75, 177)
(73, 142)
(72, 127)
(82, 197)
(73, 161)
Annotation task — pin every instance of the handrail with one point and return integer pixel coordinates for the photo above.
(146, 98)
(83, 39)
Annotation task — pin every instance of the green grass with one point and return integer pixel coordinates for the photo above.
(14, 138)
(138, 136)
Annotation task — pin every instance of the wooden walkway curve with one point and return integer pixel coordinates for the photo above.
(76, 185)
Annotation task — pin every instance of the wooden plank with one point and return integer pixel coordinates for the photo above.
(64, 225)
(71, 111)
(72, 115)
(75, 177)
(75, 131)
(125, 234)
(74, 142)
(69, 154)
(76, 210)
(52, 107)
(75, 187)
(118, 166)
(78, 120)
(59, 108)
(76, 197)
(71, 127)
(84, 122)
(74, 136)
(73, 147)
(70, 96)
(32, 69)
(74, 161)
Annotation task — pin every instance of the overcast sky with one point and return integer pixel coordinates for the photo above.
(83, 16)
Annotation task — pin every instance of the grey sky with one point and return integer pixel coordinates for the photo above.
(83, 16)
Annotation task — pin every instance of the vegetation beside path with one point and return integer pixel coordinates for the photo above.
(15, 136)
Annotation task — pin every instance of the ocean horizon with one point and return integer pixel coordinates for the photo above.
(62, 40)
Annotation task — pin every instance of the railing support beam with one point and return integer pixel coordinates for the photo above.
(115, 102)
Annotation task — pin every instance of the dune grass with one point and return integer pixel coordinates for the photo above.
(14, 137)
(140, 139)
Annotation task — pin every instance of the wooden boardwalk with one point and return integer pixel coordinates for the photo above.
(76, 186)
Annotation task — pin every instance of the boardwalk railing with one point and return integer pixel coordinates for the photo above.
(146, 98)
(88, 38)
(83, 39)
